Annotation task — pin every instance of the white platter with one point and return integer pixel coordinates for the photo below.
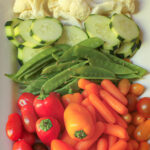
(8, 90)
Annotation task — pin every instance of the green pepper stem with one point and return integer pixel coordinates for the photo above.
(46, 124)
(80, 134)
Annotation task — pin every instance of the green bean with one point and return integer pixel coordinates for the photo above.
(58, 67)
(91, 72)
(140, 71)
(56, 81)
(98, 59)
(92, 42)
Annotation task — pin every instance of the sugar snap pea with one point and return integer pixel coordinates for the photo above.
(140, 71)
(128, 76)
(98, 59)
(56, 81)
(69, 88)
(94, 42)
(39, 57)
(91, 72)
(63, 47)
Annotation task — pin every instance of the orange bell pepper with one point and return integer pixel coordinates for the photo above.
(79, 122)
(72, 98)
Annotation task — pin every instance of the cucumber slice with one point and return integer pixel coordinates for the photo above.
(22, 32)
(127, 50)
(98, 26)
(46, 30)
(124, 28)
(9, 30)
(26, 53)
(72, 35)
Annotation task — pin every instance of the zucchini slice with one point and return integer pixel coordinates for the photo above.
(124, 27)
(26, 53)
(46, 30)
(9, 30)
(127, 50)
(98, 26)
(22, 32)
(72, 35)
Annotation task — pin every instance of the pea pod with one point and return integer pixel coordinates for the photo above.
(56, 81)
(63, 47)
(98, 59)
(91, 72)
(128, 76)
(58, 67)
(140, 71)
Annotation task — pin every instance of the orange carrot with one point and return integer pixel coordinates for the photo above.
(113, 102)
(120, 145)
(116, 130)
(102, 144)
(112, 89)
(86, 144)
(134, 144)
(91, 109)
(85, 94)
(99, 117)
(119, 120)
(67, 139)
(124, 86)
(129, 146)
(111, 140)
(82, 83)
(92, 88)
(144, 146)
(101, 108)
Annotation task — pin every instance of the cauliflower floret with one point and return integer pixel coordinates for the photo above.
(52, 4)
(27, 14)
(21, 5)
(80, 9)
(65, 4)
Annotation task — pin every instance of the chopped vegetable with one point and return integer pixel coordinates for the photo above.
(21, 145)
(102, 144)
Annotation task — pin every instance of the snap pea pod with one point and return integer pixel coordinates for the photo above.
(91, 72)
(63, 47)
(56, 81)
(94, 42)
(69, 88)
(128, 76)
(140, 71)
(58, 67)
(39, 57)
(98, 59)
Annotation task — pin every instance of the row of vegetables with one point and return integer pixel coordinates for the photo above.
(102, 117)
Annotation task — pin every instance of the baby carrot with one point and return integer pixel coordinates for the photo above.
(124, 86)
(112, 89)
(111, 140)
(102, 144)
(92, 88)
(82, 83)
(129, 146)
(120, 145)
(86, 144)
(67, 139)
(101, 108)
(84, 94)
(134, 144)
(91, 109)
(119, 120)
(113, 102)
(116, 130)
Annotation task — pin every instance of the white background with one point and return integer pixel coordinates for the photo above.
(8, 90)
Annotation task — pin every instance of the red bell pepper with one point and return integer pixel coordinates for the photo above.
(47, 129)
(49, 107)
(60, 145)
(29, 118)
(14, 127)
(25, 99)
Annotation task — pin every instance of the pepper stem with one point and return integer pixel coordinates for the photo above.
(80, 134)
(46, 124)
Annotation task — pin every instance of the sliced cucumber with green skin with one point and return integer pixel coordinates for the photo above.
(127, 50)
(46, 30)
(124, 27)
(26, 53)
(9, 30)
(72, 35)
(98, 26)
(22, 32)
